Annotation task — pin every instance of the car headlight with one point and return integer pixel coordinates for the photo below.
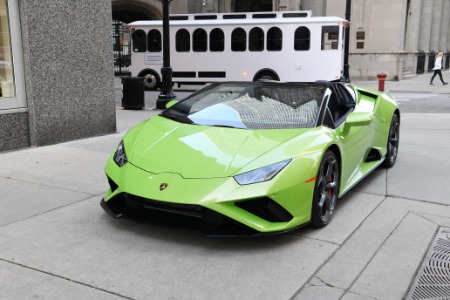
(261, 174)
(120, 157)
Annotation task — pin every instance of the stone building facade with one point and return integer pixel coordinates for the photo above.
(397, 37)
(56, 74)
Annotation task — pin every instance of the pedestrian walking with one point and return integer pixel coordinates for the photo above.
(438, 66)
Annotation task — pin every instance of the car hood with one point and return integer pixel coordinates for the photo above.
(195, 151)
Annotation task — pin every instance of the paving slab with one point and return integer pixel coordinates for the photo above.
(128, 118)
(21, 200)
(17, 282)
(350, 213)
(375, 183)
(389, 273)
(392, 240)
(84, 244)
(65, 166)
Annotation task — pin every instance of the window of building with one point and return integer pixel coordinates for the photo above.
(183, 41)
(6, 63)
(154, 41)
(329, 36)
(360, 35)
(238, 40)
(302, 39)
(216, 40)
(12, 82)
(139, 41)
(274, 39)
(256, 39)
(200, 42)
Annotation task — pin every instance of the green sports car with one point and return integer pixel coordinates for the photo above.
(254, 158)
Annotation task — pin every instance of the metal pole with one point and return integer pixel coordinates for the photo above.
(348, 8)
(166, 71)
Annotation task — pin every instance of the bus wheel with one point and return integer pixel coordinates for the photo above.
(151, 81)
(266, 75)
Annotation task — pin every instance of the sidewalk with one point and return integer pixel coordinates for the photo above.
(57, 243)
(418, 84)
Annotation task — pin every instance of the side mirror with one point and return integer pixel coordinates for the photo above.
(359, 118)
(171, 103)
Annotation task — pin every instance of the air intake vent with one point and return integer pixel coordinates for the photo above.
(266, 209)
(112, 184)
(433, 278)
(373, 155)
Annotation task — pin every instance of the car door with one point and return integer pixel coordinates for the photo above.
(354, 140)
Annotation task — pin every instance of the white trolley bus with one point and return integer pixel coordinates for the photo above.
(288, 46)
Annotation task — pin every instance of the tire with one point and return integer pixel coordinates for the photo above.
(326, 190)
(151, 80)
(392, 143)
(266, 75)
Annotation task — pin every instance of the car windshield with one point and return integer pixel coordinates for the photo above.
(251, 105)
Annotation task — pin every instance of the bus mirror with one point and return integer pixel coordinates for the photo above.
(171, 103)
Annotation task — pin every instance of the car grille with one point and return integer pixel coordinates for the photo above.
(189, 210)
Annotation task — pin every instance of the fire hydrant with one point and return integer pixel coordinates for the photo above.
(381, 79)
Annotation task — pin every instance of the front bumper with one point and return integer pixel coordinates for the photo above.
(211, 222)
(264, 208)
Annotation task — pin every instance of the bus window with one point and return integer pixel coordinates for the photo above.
(274, 39)
(199, 38)
(330, 37)
(183, 41)
(238, 40)
(216, 40)
(139, 43)
(256, 39)
(302, 39)
(154, 41)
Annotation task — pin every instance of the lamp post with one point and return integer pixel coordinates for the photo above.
(348, 8)
(166, 71)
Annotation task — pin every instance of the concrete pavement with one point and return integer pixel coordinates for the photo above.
(57, 243)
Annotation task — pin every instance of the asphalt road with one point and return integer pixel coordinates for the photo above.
(423, 102)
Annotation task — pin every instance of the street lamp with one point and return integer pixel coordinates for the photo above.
(166, 71)
(348, 8)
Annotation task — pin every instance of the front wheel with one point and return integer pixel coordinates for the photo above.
(392, 143)
(326, 190)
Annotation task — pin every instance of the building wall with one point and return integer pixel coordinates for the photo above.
(68, 70)
(14, 131)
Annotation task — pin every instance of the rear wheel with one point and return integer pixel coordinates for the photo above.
(151, 80)
(266, 75)
(392, 143)
(326, 190)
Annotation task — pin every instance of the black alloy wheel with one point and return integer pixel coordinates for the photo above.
(392, 143)
(326, 190)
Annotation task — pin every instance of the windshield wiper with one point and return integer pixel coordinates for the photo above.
(177, 118)
(225, 126)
